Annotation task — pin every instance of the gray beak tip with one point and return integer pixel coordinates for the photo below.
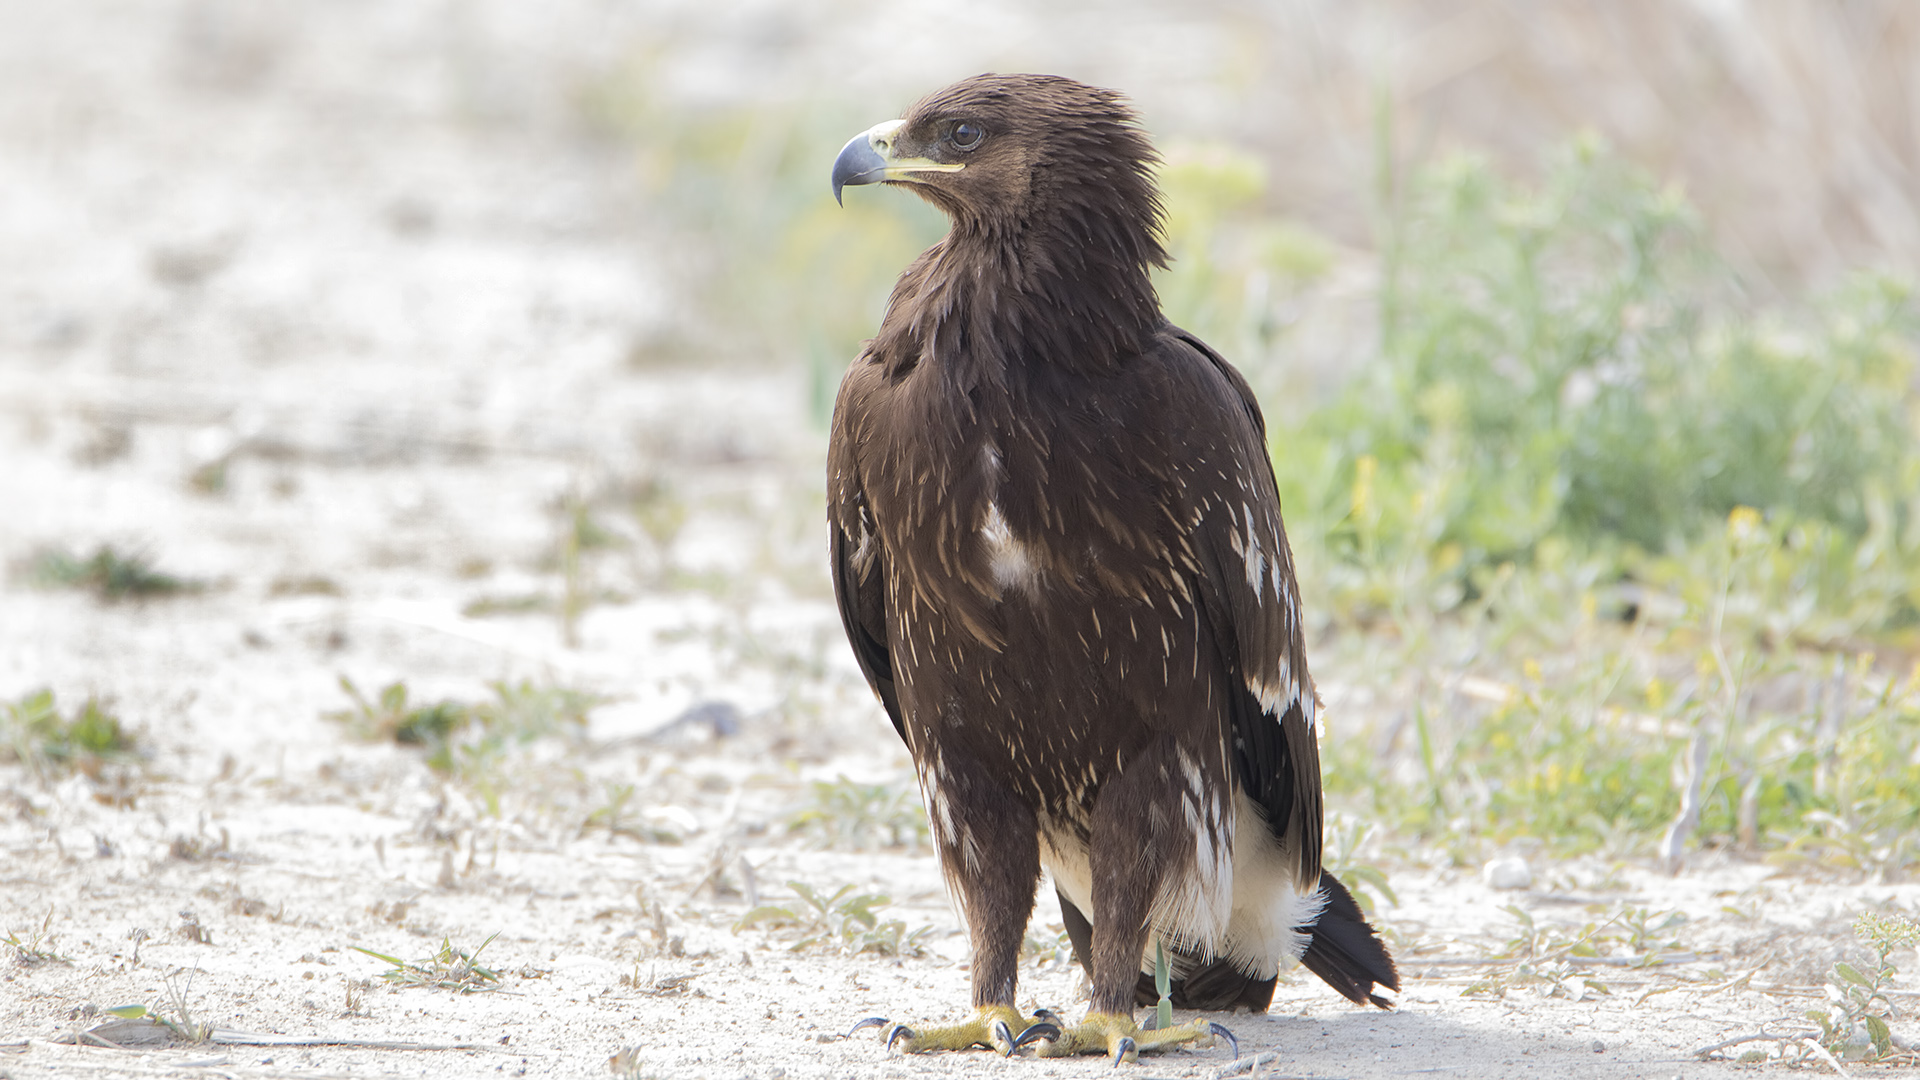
(858, 163)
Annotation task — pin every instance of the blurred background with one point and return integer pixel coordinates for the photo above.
(422, 343)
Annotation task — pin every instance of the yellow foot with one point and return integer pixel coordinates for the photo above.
(1116, 1036)
(996, 1027)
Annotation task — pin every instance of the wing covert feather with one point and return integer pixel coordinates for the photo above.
(859, 564)
(1247, 586)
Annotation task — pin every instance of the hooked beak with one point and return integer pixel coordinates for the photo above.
(870, 157)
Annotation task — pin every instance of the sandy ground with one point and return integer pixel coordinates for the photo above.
(354, 259)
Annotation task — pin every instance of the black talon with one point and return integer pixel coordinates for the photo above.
(1002, 1038)
(871, 1021)
(900, 1031)
(1122, 1049)
(1048, 1015)
(1042, 1030)
(1227, 1035)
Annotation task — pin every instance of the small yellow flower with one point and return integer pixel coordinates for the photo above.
(1531, 669)
(1363, 471)
(1742, 523)
(1656, 694)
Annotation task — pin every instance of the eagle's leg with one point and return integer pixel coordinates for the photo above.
(989, 845)
(1134, 843)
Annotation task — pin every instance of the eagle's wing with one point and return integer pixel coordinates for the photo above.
(859, 564)
(1247, 587)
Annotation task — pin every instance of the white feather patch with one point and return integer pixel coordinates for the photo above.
(1254, 554)
(1269, 906)
(1277, 698)
(1009, 561)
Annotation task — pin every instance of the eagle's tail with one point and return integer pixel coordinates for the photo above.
(1345, 951)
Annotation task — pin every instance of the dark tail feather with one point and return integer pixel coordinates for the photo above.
(1346, 952)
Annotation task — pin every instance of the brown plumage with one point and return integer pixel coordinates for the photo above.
(1058, 555)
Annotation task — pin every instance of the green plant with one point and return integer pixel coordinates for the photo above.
(845, 919)
(851, 816)
(37, 947)
(1546, 955)
(33, 731)
(620, 816)
(446, 968)
(1345, 837)
(1566, 362)
(1162, 985)
(1853, 1026)
(108, 573)
(467, 740)
(391, 716)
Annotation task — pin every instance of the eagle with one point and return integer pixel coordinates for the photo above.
(1058, 556)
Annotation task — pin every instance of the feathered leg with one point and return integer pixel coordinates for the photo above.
(1139, 835)
(988, 843)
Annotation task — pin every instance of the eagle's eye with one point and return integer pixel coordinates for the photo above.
(965, 135)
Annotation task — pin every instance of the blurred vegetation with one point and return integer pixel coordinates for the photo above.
(1854, 1023)
(468, 742)
(850, 816)
(109, 573)
(843, 919)
(1639, 516)
(1563, 362)
(782, 272)
(34, 732)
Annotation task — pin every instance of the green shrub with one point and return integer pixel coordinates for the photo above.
(1567, 361)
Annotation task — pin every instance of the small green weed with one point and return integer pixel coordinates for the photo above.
(37, 947)
(620, 815)
(850, 816)
(108, 573)
(1549, 958)
(33, 731)
(1853, 1026)
(447, 968)
(466, 739)
(392, 716)
(1345, 838)
(845, 920)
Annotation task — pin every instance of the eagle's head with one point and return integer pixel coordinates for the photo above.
(1002, 153)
